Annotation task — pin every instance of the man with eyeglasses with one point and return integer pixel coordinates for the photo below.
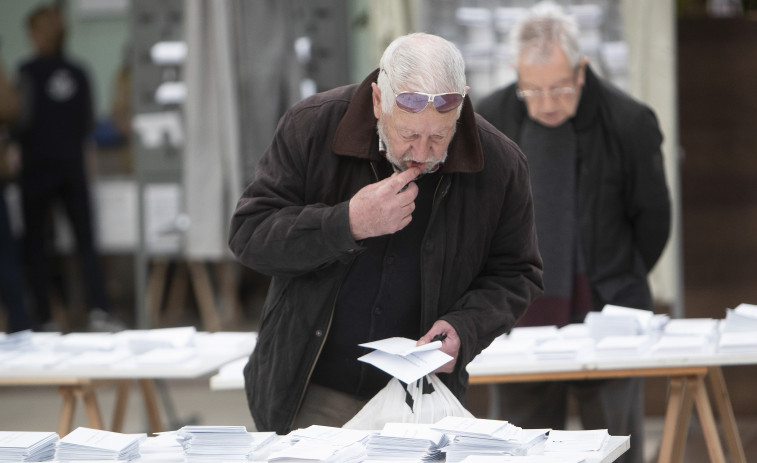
(601, 204)
(383, 209)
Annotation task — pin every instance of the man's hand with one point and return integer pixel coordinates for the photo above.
(450, 343)
(384, 207)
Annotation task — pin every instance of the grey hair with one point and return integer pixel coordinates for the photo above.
(420, 62)
(544, 25)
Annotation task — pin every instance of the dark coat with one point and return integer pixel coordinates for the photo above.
(623, 203)
(480, 262)
(57, 114)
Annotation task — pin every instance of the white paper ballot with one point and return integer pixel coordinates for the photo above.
(589, 440)
(407, 368)
(401, 346)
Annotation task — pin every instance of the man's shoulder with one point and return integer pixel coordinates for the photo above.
(494, 103)
(622, 105)
(494, 141)
(334, 97)
(633, 121)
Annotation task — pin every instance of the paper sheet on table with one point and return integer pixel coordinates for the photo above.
(589, 440)
(407, 368)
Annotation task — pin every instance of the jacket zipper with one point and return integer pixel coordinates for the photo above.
(328, 328)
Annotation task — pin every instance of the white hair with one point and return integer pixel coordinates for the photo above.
(546, 24)
(420, 62)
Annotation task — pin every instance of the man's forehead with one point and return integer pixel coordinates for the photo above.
(555, 70)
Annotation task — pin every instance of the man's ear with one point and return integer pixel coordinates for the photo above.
(376, 94)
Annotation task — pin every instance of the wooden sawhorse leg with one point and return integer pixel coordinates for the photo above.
(677, 416)
(707, 420)
(70, 394)
(91, 407)
(725, 412)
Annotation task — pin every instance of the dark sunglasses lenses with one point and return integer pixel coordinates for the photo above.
(416, 102)
(447, 102)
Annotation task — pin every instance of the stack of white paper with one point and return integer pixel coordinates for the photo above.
(537, 334)
(36, 359)
(20, 340)
(742, 318)
(524, 459)
(167, 356)
(576, 441)
(328, 434)
(27, 446)
(704, 327)
(623, 346)
(737, 342)
(222, 443)
(86, 342)
(504, 349)
(93, 444)
(408, 442)
(99, 358)
(321, 444)
(675, 345)
(475, 436)
(307, 451)
(615, 322)
(163, 448)
(563, 349)
(140, 341)
(574, 330)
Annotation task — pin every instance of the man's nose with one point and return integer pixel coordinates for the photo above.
(423, 151)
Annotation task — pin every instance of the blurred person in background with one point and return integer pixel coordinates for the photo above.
(11, 282)
(53, 129)
(601, 205)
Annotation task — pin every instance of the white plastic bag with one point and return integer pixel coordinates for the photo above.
(426, 400)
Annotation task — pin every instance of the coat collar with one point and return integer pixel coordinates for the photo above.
(589, 104)
(356, 134)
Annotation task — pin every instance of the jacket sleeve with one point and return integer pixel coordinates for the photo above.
(277, 228)
(647, 197)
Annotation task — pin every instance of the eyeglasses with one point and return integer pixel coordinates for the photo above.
(551, 93)
(415, 102)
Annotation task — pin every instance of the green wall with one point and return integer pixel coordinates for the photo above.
(95, 40)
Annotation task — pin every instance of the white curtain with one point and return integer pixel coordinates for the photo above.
(650, 32)
(212, 154)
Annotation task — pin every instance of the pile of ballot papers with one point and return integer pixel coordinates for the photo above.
(16, 341)
(316, 444)
(589, 440)
(94, 444)
(223, 443)
(686, 336)
(27, 446)
(476, 436)
(742, 319)
(407, 442)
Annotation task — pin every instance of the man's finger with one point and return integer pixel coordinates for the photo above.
(402, 179)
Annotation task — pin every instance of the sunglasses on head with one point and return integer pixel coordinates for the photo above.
(415, 102)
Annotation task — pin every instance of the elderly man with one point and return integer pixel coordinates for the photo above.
(382, 209)
(601, 204)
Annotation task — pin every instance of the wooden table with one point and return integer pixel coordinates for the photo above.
(81, 383)
(688, 389)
